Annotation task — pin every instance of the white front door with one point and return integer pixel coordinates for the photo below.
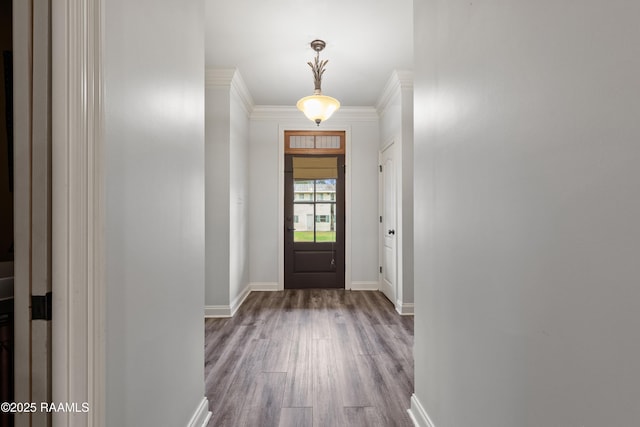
(388, 239)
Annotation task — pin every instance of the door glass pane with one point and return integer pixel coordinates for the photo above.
(302, 190)
(314, 210)
(303, 222)
(325, 189)
(325, 222)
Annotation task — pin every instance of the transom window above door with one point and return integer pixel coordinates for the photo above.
(321, 142)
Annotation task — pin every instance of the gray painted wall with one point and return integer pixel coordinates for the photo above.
(526, 208)
(263, 191)
(217, 188)
(407, 256)
(238, 198)
(227, 177)
(154, 163)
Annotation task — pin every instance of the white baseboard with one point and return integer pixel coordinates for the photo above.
(201, 416)
(386, 290)
(365, 286)
(237, 301)
(256, 286)
(217, 311)
(264, 286)
(405, 309)
(211, 311)
(418, 414)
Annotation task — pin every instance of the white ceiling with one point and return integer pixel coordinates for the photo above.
(268, 42)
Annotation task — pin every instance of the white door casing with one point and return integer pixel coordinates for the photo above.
(388, 224)
(347, 191)
(32, 173)
(22, 37)
(78, 360)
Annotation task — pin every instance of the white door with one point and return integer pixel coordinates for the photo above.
(388, 255)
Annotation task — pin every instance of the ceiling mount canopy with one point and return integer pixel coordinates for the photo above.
(318, 107)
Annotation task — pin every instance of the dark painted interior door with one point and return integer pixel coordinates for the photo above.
(314, 221)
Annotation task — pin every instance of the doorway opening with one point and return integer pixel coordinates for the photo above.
(6, 212)
(314, 209)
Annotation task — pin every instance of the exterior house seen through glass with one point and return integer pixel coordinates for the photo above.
(314, 210)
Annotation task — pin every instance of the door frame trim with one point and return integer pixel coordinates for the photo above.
(347, 202)
(22, 63)
(78, 265)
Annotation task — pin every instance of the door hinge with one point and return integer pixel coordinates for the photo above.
(41, 307)
(380, 166)
(380, 269)
(380, 219)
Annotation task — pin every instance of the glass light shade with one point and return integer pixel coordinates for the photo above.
(318, 108)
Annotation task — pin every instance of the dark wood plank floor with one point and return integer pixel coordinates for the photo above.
(317, 357)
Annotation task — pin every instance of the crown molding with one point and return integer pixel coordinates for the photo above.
(230, 78)
(405, 77)
(398, 81)
(218, 77)
(279, 112)
(238, 84)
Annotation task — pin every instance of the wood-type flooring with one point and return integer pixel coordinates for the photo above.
(315, 357)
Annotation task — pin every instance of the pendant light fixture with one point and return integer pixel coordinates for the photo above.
(318, 107)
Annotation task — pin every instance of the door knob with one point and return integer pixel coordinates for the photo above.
(291, 229)
(391, 232)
